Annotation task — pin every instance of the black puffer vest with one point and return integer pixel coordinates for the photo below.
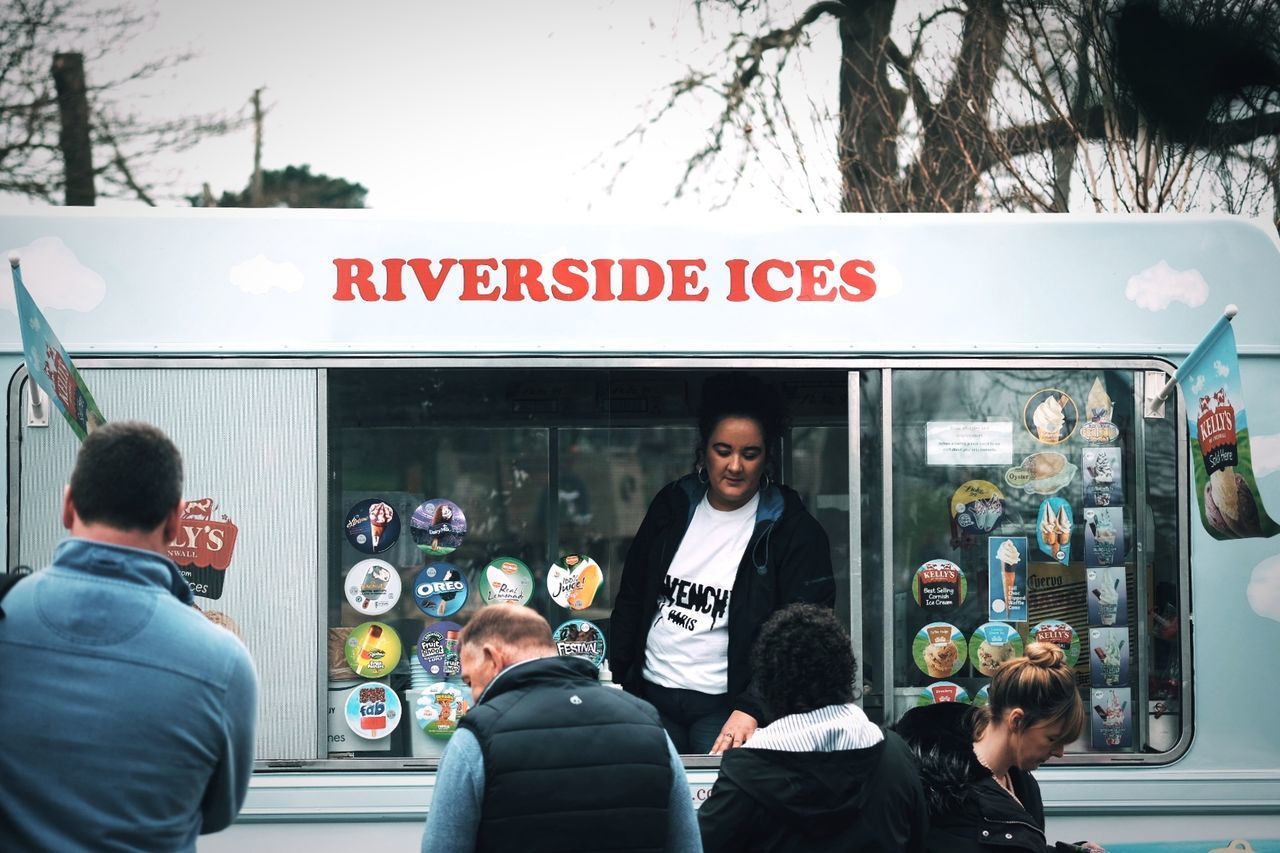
(568, 764)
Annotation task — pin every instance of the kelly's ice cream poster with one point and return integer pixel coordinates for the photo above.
(1230, 505)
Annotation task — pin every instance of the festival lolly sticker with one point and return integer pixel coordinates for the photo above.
(1007, 562)
(1104, 543)
(1050, 416)
(939, 583)
(983, 697)
(372, 586)
(1103, 480)
(438, 526)
(1110, 718)
(505, 580)
(1060, 634)
(580, 638)
(939, 650)
(373, 649)
(439, 589)
(372, 526)
(573, 581)
(1045, 473)
(992, 645)
(439, 708)
(438, 650)
(1109, 657)
(1107, 596)
(942, 691)
(1054, 524)
(372, 710)
(1098, 427)
(976, 508)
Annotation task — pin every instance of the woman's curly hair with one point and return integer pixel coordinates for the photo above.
(802, 660)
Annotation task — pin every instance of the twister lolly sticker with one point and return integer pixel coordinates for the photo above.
(373, 649)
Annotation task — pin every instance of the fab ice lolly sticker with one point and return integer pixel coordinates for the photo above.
(939, 583)
(440, 707)
(942, 691)
(372, 587)
(505, 580)
(438, 526)
(372, 710)
(1007, 562)
(1107, 596)
(992, 645)
(438, 650)
(1050, 416)
(373, 649)
(1054, 524)
(1103, 483)
(579, 638)
(1060, 634)
(939, 650)
(372, 526)
(574, 581)
(440, 589)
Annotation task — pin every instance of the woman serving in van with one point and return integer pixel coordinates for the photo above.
(717, 553)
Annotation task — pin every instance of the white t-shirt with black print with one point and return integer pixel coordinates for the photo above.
(688, 644)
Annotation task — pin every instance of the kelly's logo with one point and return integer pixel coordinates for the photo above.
(203, 547)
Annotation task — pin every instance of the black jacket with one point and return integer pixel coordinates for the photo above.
(968, 810)
(567, 760)
(854, 799)
(787, 560)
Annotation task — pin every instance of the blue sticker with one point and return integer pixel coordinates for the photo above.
(440, 589)
(438, 650)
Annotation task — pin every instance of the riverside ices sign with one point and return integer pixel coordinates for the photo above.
(603, 280)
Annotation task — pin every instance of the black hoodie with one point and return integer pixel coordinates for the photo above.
(853, 799)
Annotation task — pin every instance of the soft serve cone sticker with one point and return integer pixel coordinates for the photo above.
(1050, 416)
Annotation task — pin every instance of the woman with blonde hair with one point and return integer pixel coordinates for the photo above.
(976, 762)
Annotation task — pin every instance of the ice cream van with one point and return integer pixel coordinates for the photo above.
(390, 423)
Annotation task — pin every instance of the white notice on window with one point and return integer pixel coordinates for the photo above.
(970, 442)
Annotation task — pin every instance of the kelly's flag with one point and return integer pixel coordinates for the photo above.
(49, 365)
(1230, 505)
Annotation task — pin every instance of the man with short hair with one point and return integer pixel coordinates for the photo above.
(128, 718)
(548, 759)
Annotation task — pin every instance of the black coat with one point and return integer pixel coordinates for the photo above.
(968, 810)
(787, 560)
(809, 802)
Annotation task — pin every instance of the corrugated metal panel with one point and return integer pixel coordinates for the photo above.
(249, 440)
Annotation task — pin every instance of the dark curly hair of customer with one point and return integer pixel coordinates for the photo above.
(803, 660)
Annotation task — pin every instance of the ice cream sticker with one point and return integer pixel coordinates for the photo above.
(1110, 719)
(372, 587)
(203, 547)
(1104, 543)
(942, 691)
(1098, 409)
(373, 650)
(1050, 416)
(983, 697)
(438, 526)
(439, 589)
(1061, 635)
(372, 526)
(1054, 524)
(992, 645)
(438, 650)
(372, 710)
(1007, 562)
(939, 583)
(1043, 473)
(579, 638)
(1103, 480)
(1107, 605)
(439, 709)
(939, 650)
(573, 581)
(505, 580)
(976, 508)
(1108, 657)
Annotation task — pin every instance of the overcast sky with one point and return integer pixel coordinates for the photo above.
(444, 107)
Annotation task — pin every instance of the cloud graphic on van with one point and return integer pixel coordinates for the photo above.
(1266, 454)
(56, 278)
(1158, 287)
(1264, 588)
(259, 274)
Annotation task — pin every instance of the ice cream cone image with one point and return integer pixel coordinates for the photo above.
(1063, 525)
(1048, 526)
(1009, 557)
(380, 515)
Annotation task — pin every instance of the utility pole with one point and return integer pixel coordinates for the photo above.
(73, 137)
(255, 186)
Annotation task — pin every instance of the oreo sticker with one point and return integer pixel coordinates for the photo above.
(992, 645)
(437, 527)
(438, 650)
(940, 650)
(574, 581)
(373, 649)
(1060, 634)
(505, 580)
(372, 526)
(579, 638)
(939, 583)
(440, 589)
(942, 691)
(439, 708)
(1050, 416)
(372, 710)
(372, 586)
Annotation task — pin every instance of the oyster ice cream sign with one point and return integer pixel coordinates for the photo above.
(1230, 505)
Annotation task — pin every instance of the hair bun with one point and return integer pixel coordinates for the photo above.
(1046, 655)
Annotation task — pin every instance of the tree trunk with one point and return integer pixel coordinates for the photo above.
(73, 139)
(870, 109)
